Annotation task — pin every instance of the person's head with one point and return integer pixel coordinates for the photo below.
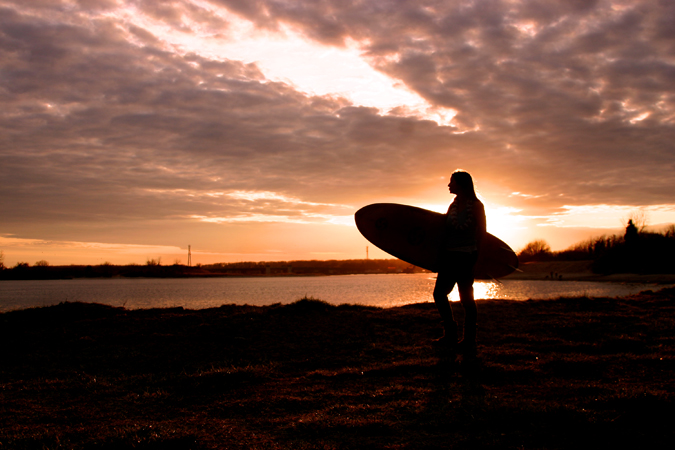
(461, 183)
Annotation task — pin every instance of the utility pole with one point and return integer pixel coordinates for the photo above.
(366, 252)
(189, 257)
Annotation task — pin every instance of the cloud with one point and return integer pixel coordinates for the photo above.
(552, 88)
(129, 249)
(123, 122)
(106, 121)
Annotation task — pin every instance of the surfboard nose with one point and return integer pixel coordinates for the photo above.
(359, 217)
(366, 215)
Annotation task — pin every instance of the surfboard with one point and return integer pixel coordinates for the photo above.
(414, 234)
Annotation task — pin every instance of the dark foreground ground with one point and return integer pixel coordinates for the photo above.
(569, 373)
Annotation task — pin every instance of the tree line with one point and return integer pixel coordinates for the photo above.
(154, 269)
(636, 251)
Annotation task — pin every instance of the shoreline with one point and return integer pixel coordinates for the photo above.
(660, 279)
(581, 271)
(529, 275)
(546, 270)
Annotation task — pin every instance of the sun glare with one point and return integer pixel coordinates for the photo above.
(481, 290)
(503, 221)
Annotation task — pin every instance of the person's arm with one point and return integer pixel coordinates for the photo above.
(481, 222)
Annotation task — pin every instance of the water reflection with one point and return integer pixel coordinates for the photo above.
(483, 289)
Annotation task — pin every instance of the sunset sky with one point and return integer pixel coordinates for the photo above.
(252, 130)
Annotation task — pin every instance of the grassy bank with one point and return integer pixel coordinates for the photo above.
(582, 373)
(582, 271)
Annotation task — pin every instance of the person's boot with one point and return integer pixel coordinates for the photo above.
(449, 338)
(467, 346)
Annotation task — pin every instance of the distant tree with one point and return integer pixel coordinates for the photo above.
(538, 250)
(41, 263)
(2, 260)
(670, 232)
(21, 265)
(154, 262)
(639, 219)
(592, 248)
(631, 232)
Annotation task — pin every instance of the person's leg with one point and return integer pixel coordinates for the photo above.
(465, 287)
(470, 313)
(445, 282)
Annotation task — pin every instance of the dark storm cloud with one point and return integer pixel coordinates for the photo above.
(101, 121)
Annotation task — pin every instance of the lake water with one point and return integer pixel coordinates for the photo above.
(373, 290)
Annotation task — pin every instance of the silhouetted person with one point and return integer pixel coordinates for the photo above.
(465, 228)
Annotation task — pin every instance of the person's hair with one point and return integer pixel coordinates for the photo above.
(465, 181)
